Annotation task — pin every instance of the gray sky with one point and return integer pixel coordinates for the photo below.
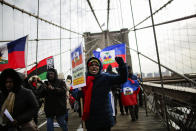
(176, 41)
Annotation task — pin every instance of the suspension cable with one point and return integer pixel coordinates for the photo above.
(108, 14)
(159, 66)
(35, 16)
(89, 3)
(42, 39)
(2, 21)
(136, 42)
(152, 13)
(70, 32)
(60, 41)
(39, 61)
(37, 34)
(170, 21)
(183, 76)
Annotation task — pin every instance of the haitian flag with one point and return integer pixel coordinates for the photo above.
(42, 68)
(108, 54)
(129, 92)
(12, 55)
(78, 67)
(76, 57)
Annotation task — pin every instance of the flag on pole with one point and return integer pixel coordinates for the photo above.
(129, 92)
(12, 55)
(108, 54)
(42, 68)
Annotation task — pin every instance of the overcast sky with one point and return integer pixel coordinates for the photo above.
(176, 41)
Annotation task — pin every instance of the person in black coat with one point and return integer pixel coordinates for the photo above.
(35, 84)
(20, 102)
(54, 92)
(97, 112)
(113, 89)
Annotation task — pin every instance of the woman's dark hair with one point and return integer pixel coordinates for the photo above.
(10, 73)
(69, 77)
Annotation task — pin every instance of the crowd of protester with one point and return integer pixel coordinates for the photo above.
(23, 98)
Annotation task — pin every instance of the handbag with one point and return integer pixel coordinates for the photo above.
(29, 126)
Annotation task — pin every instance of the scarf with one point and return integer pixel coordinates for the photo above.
(34, 84)
(87, 91)
(9, 105)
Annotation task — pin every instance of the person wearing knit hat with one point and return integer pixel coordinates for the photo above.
(97, 112)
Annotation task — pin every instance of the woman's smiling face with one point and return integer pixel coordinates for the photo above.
(94, 68)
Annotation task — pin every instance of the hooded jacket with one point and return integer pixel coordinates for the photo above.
(36, 87)
(100, 108)
(55, 100)
(25, 104)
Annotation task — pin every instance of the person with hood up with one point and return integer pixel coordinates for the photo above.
(55, 100)
(18, 101)
(35, 84)
(97, 112)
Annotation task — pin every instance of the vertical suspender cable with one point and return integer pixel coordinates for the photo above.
(37, 34)
(77, 21)
(60, 40)
(137, 51)
(157, 51)
(14, 24)
(108, 14)
(70, 29)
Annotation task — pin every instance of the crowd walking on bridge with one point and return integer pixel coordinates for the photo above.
(22, 98)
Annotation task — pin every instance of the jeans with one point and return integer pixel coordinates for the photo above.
(61, 121)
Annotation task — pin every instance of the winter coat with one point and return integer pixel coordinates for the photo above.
(55, 100)
(25, 105)
(100, 107)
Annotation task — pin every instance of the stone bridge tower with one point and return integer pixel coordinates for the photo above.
(104, 39)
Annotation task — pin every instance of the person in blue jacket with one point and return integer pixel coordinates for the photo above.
(97, 112)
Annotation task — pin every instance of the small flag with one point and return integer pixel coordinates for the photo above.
(129, 92)
(12, 55)
(42, 68)
(108, 54)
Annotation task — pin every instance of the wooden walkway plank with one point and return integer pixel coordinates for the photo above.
(124, 123)
(150, 123)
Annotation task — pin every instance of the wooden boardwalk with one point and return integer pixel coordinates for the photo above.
(124, 123)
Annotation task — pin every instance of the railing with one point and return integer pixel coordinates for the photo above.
(180, 104)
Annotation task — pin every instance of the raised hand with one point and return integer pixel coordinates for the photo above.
(120, 61)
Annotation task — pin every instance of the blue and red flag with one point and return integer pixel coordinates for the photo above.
(108, 54)
(76, 57)
(129, 92)
(12, 55)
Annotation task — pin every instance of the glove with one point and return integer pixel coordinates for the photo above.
(120, 61)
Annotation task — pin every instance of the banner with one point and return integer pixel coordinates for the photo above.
(78, 67)
(12, 55)
(108, 54)
(42, 68)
